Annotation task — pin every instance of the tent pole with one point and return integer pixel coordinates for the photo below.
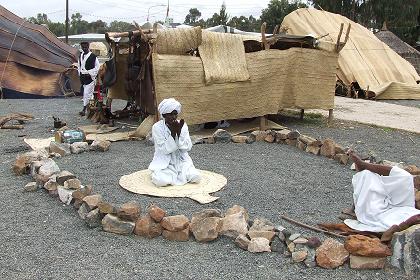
(67, 21)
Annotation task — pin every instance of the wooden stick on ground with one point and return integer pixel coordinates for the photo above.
(310, 227)
(11, 126)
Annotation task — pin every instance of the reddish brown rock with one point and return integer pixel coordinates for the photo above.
(361, 245)
(328, 148)
(307, 140)
(299, 256)
(236, 209)
(359, 262)
(147, 227)
(182, 235)
(270, 138)
(64, 176)
(331, 254)
(20, 166)
(175, 223)
(92, 201)
(129, 211)
(107, 208)
(156, 213)
(206, 229)
(82, 192)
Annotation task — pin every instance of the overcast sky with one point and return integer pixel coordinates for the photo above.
(129, 10)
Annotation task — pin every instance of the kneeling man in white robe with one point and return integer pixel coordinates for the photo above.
(383, 197)
(171, 164)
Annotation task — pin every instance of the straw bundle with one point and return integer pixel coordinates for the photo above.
(223, 57)
(178, 40)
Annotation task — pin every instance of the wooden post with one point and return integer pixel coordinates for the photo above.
(330, 116)
(263, 123)
(337, 46)
(302, 112)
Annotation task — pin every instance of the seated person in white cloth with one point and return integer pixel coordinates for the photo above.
(171, 163)
(383, 197)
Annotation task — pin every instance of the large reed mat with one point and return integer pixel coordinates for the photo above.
(178, 40)
(140, 182)
(223, 57)
(293, 78)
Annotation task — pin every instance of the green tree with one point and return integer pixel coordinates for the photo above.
(120, 26)
(77, 25)
(277, 10)
(57, 28)
(39, 19)
(193, 17)
(401, 18)
(220, 18)
(249, 24)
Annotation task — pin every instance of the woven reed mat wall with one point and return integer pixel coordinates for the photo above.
(223, 57)
(293, 78)
(117, 90)
(178, 40)
(364, 58)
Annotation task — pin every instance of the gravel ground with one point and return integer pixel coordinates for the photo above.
(42, 239)
(408, 103)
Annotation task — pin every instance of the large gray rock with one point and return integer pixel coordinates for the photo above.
(111, 223)
(65, 195)
(259, 245)
(79, 147)
(48, 168)
(242, 241)
(234, 225)
(93, 218)
(406, 250)
(222, 136)
(31, 187)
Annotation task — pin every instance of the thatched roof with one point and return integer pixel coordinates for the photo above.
(395, 43)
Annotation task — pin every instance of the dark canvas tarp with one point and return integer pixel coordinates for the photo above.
(32, 58)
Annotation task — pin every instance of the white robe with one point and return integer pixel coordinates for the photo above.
(382, 201)
(171, 164)
(90, 88)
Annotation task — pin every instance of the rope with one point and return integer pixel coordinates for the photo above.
(7, 59)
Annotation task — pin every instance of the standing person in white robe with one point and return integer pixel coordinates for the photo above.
(88, 68)
(171, 164)
(383, 196)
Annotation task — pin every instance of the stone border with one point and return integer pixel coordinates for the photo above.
(257, 236)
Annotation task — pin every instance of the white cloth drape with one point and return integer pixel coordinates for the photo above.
(171, 164)
(382, 201)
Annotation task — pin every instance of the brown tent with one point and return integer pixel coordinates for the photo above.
(400, 47)
(32, 59)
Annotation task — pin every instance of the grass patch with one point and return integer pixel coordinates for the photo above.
(387, 129)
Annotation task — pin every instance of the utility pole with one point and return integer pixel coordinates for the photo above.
(67, 21)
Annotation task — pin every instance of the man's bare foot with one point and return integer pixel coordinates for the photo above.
(358, 162)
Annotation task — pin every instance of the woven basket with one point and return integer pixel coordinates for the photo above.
(178, 40)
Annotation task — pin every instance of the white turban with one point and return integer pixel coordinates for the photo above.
(168, 105)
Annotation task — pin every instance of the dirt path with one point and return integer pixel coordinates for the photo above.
(376, 113)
